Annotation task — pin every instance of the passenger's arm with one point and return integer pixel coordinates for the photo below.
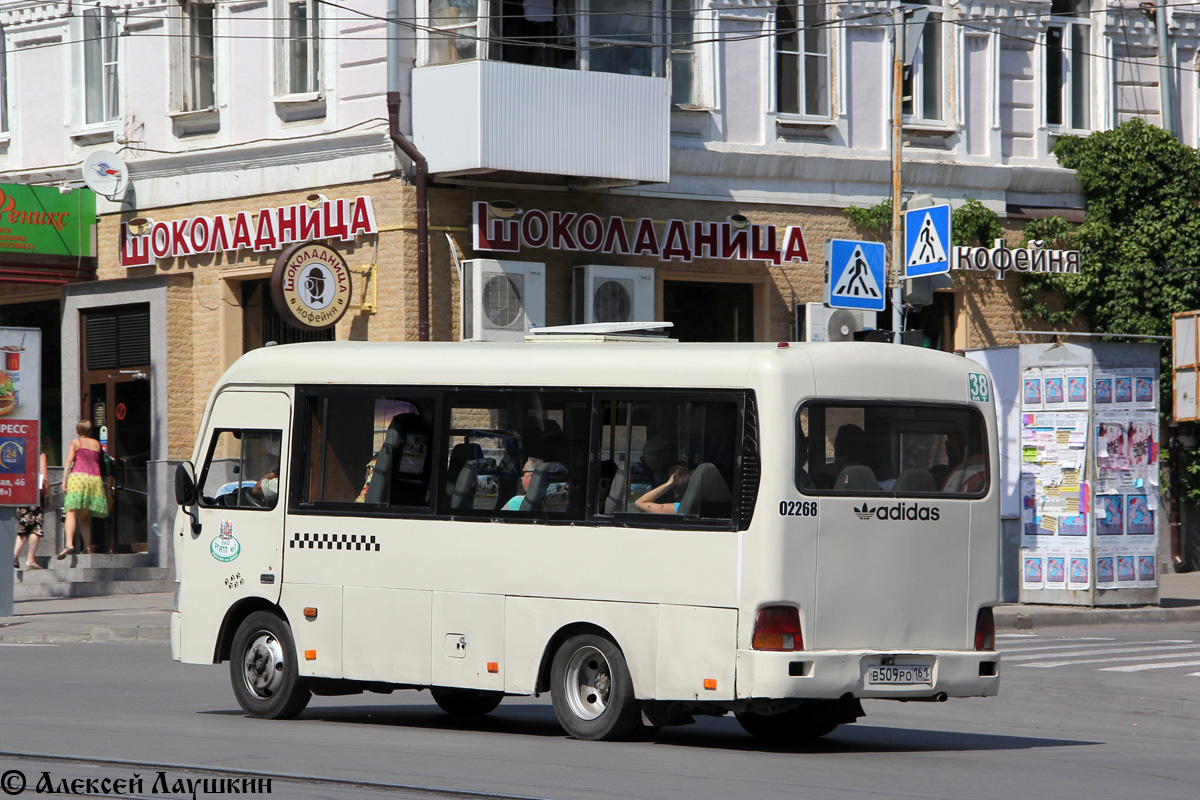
(646, 502)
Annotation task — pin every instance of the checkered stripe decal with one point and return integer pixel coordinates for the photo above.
(334, 541)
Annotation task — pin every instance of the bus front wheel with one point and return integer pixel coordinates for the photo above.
(262, 668)
(466, 702)
(592, 690)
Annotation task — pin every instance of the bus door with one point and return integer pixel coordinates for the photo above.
(894, 532)
(239, 550)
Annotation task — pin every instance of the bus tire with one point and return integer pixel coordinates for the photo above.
(813, 720)
(592, 690)
(262, 668)
(466, 702)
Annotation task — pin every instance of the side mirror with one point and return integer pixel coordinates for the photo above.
(185, 492)
(185, 484)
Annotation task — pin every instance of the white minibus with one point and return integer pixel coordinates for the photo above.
(648, 531)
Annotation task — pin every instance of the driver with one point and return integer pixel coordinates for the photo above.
(267, 488)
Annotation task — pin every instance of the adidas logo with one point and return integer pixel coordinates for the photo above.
(899, 511)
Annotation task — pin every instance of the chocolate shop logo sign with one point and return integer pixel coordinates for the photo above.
(900, 511)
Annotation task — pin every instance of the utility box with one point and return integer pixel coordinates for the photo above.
(1089, 478)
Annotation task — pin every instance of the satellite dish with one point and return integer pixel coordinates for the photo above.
(842, 326)
(105, 173)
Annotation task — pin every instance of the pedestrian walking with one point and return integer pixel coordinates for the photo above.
(85, 496)
(30, 520)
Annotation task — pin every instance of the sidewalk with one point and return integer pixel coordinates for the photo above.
(147, 617)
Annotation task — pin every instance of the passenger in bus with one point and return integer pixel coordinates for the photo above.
(803, 479)
(849, 450)
(674, 488)
(514, 502)
(964, 475)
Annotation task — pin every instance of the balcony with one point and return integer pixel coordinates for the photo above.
(492, 120)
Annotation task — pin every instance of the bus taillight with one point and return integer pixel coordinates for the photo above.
(985, 630)
(778, 628)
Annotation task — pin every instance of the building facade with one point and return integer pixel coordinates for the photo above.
(586, 160)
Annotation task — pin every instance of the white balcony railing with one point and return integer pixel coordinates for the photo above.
(476, 117)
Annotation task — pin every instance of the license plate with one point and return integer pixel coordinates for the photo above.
(900, 675)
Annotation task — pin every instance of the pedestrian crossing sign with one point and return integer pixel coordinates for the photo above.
(926, 241)
(855, 275)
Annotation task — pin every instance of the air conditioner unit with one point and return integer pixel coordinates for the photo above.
(613, 294)
(502, 299)
(824, 324)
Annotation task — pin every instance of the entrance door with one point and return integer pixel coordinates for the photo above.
(709, 311)
(116, 398)
(119, 409)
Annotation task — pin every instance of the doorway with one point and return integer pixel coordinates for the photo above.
(705, 311)
(116, 399)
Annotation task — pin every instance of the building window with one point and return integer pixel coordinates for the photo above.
(683, 53)
(101, 83)
(1068, 72)
(925, 78)
(199, 39)
(802, 58)
(453, 30)
(630, 37)
(302, 65)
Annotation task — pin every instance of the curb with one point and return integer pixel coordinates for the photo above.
(1030, 617)
(137, 633)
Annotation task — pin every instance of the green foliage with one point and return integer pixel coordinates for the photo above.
(1142, 223)
(877, 219)
(974, 225)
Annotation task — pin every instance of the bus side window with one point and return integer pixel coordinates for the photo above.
(368, 449)
(646, 440)
(242, 470)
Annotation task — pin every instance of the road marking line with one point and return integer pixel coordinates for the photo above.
(1144, 667)
(1091, 648)
(1102, 660)
(26, 644)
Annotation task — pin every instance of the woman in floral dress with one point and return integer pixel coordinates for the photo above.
(85, 495)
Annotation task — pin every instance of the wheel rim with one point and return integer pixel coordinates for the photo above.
(262, 668)
(588, 680)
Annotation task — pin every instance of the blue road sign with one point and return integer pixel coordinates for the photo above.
(926, 241)
(856, 275)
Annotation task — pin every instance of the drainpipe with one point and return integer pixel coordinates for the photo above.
(420, 167)
(1165, 93)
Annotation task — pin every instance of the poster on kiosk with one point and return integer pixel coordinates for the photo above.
(1090, 440)
(20, 411)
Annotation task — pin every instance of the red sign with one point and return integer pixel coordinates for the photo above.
(273, 229)
(18, 462)
(674, 239)
(121, 411)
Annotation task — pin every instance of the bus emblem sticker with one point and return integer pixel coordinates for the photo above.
(225, 547)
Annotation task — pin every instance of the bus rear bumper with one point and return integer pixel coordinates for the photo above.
(895, 675)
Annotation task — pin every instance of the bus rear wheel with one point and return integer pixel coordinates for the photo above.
(466, 702)
(814, 719)
(592, 690)
(263, 671)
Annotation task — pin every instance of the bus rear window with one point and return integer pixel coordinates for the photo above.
(895, 450)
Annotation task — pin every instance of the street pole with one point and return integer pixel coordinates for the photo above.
(897, 160)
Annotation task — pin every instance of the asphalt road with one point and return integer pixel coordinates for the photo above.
(1095, 712)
